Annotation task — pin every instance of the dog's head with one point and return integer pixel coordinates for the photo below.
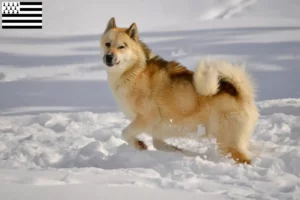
(120, 47)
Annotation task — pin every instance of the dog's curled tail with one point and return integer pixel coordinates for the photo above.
(213, 77)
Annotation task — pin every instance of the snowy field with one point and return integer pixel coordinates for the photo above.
(60, 127)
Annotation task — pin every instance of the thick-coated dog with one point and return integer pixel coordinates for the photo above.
(164, 99)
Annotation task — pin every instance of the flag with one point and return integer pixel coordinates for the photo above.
(22, 15)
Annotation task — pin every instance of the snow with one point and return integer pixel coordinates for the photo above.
(86, 148)
(60, 126)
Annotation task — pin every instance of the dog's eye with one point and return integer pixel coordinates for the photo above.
(107, 44)
(121, 47)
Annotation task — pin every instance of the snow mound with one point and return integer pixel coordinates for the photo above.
(289, 106)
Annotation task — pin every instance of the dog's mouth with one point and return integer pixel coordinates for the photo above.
(111, 64)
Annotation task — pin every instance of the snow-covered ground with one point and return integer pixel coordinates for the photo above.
(60, 127)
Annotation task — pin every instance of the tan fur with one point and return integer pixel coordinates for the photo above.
(164, 99)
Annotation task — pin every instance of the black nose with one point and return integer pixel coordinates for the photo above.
(109, 58)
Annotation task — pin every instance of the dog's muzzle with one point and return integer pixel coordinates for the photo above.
(109, 60)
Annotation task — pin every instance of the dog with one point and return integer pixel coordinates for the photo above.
(164, 99)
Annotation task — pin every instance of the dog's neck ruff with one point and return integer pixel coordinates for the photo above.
(116, 77)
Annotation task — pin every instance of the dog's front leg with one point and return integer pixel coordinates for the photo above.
(130, 133)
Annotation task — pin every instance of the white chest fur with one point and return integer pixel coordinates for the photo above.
(121, 94)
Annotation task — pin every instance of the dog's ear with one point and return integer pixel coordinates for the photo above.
(132, 31)
(111, 24)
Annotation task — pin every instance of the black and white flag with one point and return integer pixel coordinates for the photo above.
(22, 15)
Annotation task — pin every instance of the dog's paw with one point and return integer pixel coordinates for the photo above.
(140, 145)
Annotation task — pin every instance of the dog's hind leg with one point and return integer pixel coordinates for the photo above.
(233, 131)
(239, 155)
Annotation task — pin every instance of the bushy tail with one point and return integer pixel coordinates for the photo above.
(210, 74)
